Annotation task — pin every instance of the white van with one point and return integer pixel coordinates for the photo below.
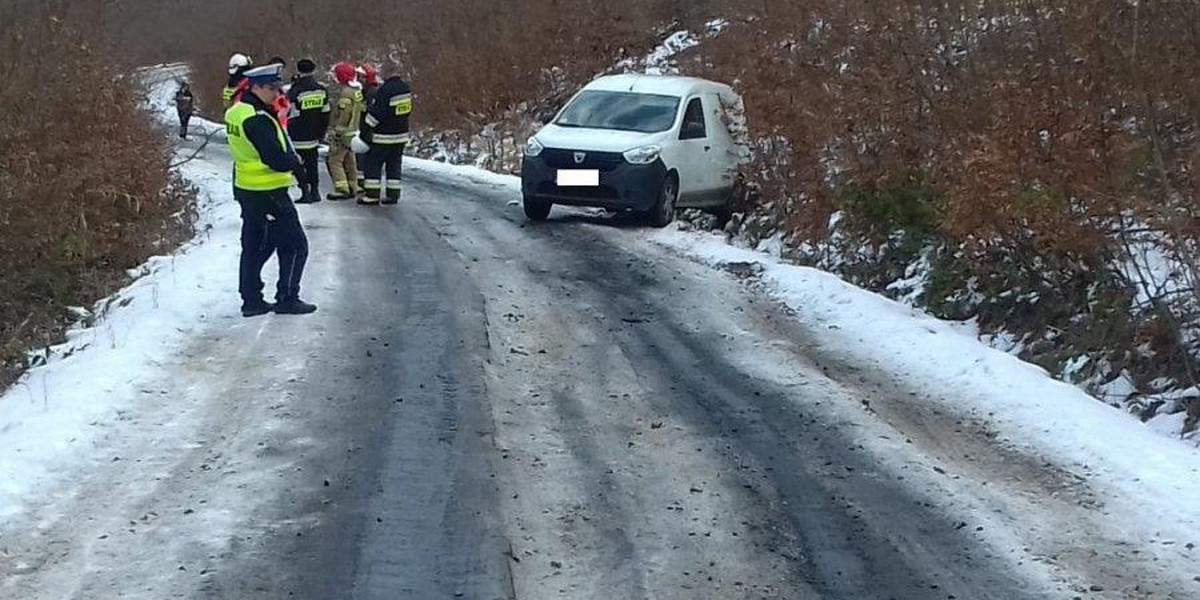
(644, 143)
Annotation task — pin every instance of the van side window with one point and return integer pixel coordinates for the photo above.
(693, 122)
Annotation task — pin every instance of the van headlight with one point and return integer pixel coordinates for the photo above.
(533, 147)
(644, 155)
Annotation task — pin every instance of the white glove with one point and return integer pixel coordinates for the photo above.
(358, 146)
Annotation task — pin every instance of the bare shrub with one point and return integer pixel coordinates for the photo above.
(84, 186)
(1042, 132)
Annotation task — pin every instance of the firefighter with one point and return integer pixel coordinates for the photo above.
(369, 76)
(308, 124)
(185, 105)
(344, 116)
(385, 132)
(264, 162)
(238, 64)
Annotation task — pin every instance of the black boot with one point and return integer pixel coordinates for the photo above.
(305, 196)
(256, 308)
(313, 195)
(294, 306)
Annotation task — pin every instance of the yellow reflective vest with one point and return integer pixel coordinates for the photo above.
(249, 171)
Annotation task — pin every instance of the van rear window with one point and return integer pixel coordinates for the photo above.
(622, 111)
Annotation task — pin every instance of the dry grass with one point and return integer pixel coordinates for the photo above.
(84, 184)
(1017, 134)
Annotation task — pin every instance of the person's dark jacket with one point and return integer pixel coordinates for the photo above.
(185, 103)
(369, 90)
(388, 113)
(260, 130)
(309, 119)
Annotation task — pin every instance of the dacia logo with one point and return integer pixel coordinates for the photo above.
(580, 157)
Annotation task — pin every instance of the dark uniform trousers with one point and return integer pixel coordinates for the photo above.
(360, 160)
(312, 169)
(184, 117)
(270, 225)
(381, 159)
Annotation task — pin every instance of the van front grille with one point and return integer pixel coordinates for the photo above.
(565, 159)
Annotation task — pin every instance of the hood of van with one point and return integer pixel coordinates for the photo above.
(595, 140)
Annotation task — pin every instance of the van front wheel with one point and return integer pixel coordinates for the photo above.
(664, 211)
(537, 209)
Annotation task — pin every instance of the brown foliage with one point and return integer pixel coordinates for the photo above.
(468, 59)
(83, 178)
(1031, 118)
(1038, 127)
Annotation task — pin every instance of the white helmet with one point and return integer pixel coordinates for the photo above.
(238, 61)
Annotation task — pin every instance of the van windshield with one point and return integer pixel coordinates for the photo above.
(623, 111)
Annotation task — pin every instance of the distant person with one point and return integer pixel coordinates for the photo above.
(235, 85)
(264, 162)
(343, 120)
(369, 76)
(308, 124)
(386, 132)
(185, 105)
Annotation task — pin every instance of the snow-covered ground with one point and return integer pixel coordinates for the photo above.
(55, 412)
(1020, 401)
(660, 60)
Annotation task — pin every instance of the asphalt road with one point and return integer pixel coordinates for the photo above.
(485, 408)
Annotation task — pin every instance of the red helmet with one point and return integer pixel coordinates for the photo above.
(344, 72)
(370, 73)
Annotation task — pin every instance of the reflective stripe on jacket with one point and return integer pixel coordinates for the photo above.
(387, 118)
(309, 119)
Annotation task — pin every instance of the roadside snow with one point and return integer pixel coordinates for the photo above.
(1145, 472)
(660, 60)
(465, 173)
(52, 416)
(1035, 413)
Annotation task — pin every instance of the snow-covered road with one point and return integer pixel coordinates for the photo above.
(485, 408)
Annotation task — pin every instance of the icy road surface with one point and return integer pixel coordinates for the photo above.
(488, 409)
(584, 408)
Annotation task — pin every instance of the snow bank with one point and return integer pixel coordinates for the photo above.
(1027, 407)
(56, 412)
(463, 173)
(660, 60)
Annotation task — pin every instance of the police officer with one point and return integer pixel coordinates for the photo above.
(308, 123)
(343, 120)
(385, 131)
(264, 161)
(238, 64)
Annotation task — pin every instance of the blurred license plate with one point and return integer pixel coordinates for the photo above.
(578, 178)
